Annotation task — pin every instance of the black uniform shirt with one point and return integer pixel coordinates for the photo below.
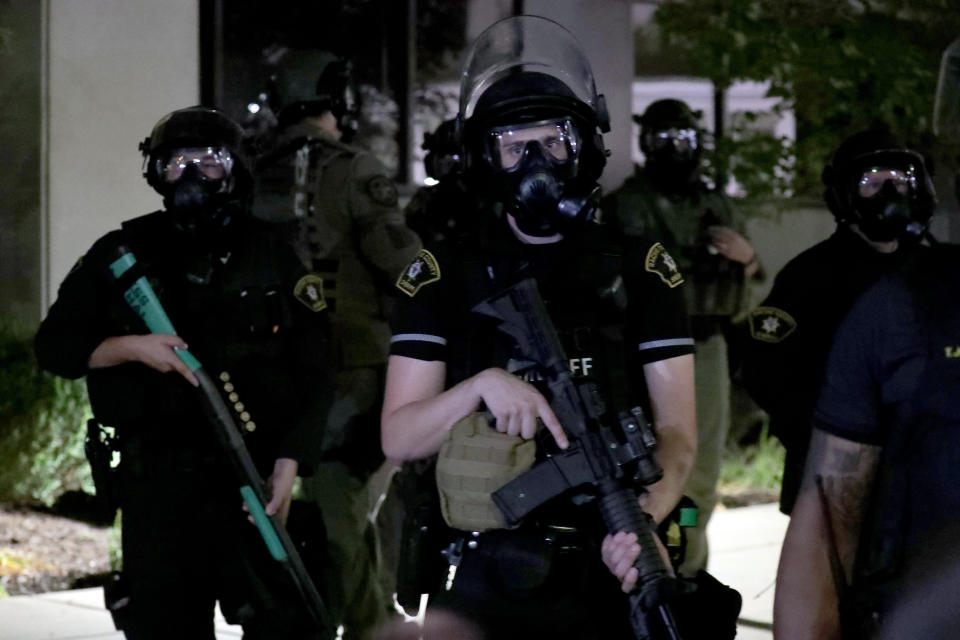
(791, 331)
(875, 365)
(599, 289)
(790, 335)
(247, 321)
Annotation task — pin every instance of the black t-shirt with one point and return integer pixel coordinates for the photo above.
(875, 365)
(599, 288)
(893, 381)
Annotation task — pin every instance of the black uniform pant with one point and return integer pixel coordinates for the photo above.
(187, 544)
(520, 585)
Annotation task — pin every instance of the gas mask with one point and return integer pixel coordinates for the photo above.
(197, 184)
(891, 202)
(672, 154)
(535, 166)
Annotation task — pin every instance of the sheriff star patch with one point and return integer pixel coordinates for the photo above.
(660, 262)
(769, 324)
(309, 291)
(423, 269)
(382, 191)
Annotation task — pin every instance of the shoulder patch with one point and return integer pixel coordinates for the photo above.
(382, 190)
(769, 324)
(423, 269)
(660, 262)
(309, 291)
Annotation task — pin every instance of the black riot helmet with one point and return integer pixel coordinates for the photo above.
(194, 158)
(671, 141)
(531, 123)
(310, 83)
(881, 186)
(337, 90)
(443, 150)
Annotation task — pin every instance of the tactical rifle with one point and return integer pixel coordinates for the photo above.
(143, 300)
(597, 457)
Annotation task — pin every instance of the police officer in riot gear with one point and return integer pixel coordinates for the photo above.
(882, 198)
(531, 123)
(342, 213)
(440, 209)
(672, 145)
(668, 200)
(236, 293)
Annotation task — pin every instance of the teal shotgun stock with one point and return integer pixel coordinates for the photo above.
(143, 300)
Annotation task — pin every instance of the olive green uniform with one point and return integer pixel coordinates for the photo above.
(716, 292)
(348, 230)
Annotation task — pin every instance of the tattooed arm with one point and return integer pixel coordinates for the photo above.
(806, 603)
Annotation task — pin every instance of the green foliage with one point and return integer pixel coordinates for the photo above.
(756, 467)
(114, 546)
(840, 66)
(41, 418)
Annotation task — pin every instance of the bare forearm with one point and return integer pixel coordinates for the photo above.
(417, 429)
(676, 453)
(111, 352)
(156, 350)
(670, 385)
(806, 602)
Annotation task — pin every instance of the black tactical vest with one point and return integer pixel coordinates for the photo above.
(583, 290)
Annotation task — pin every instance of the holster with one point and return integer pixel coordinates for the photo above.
(101, 447)
(421, 566)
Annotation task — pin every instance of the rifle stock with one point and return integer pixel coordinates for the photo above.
(143, 300)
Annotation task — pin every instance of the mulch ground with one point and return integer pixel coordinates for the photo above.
(42, 552)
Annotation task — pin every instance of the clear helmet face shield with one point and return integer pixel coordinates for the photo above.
(528, 43)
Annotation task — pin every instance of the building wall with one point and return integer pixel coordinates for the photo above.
(604, 29)
(20, 118)
(114, 68)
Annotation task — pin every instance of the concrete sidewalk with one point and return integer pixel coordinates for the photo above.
(744, 547)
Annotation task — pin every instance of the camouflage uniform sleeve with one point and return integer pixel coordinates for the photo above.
(383, 236)
(755, 284)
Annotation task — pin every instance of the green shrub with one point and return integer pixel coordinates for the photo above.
(756, 467)
(41, 425)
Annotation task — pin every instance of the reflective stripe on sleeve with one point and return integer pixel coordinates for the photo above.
(670, 342)
(418, 337)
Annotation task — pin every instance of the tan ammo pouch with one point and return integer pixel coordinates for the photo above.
(475, 461)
